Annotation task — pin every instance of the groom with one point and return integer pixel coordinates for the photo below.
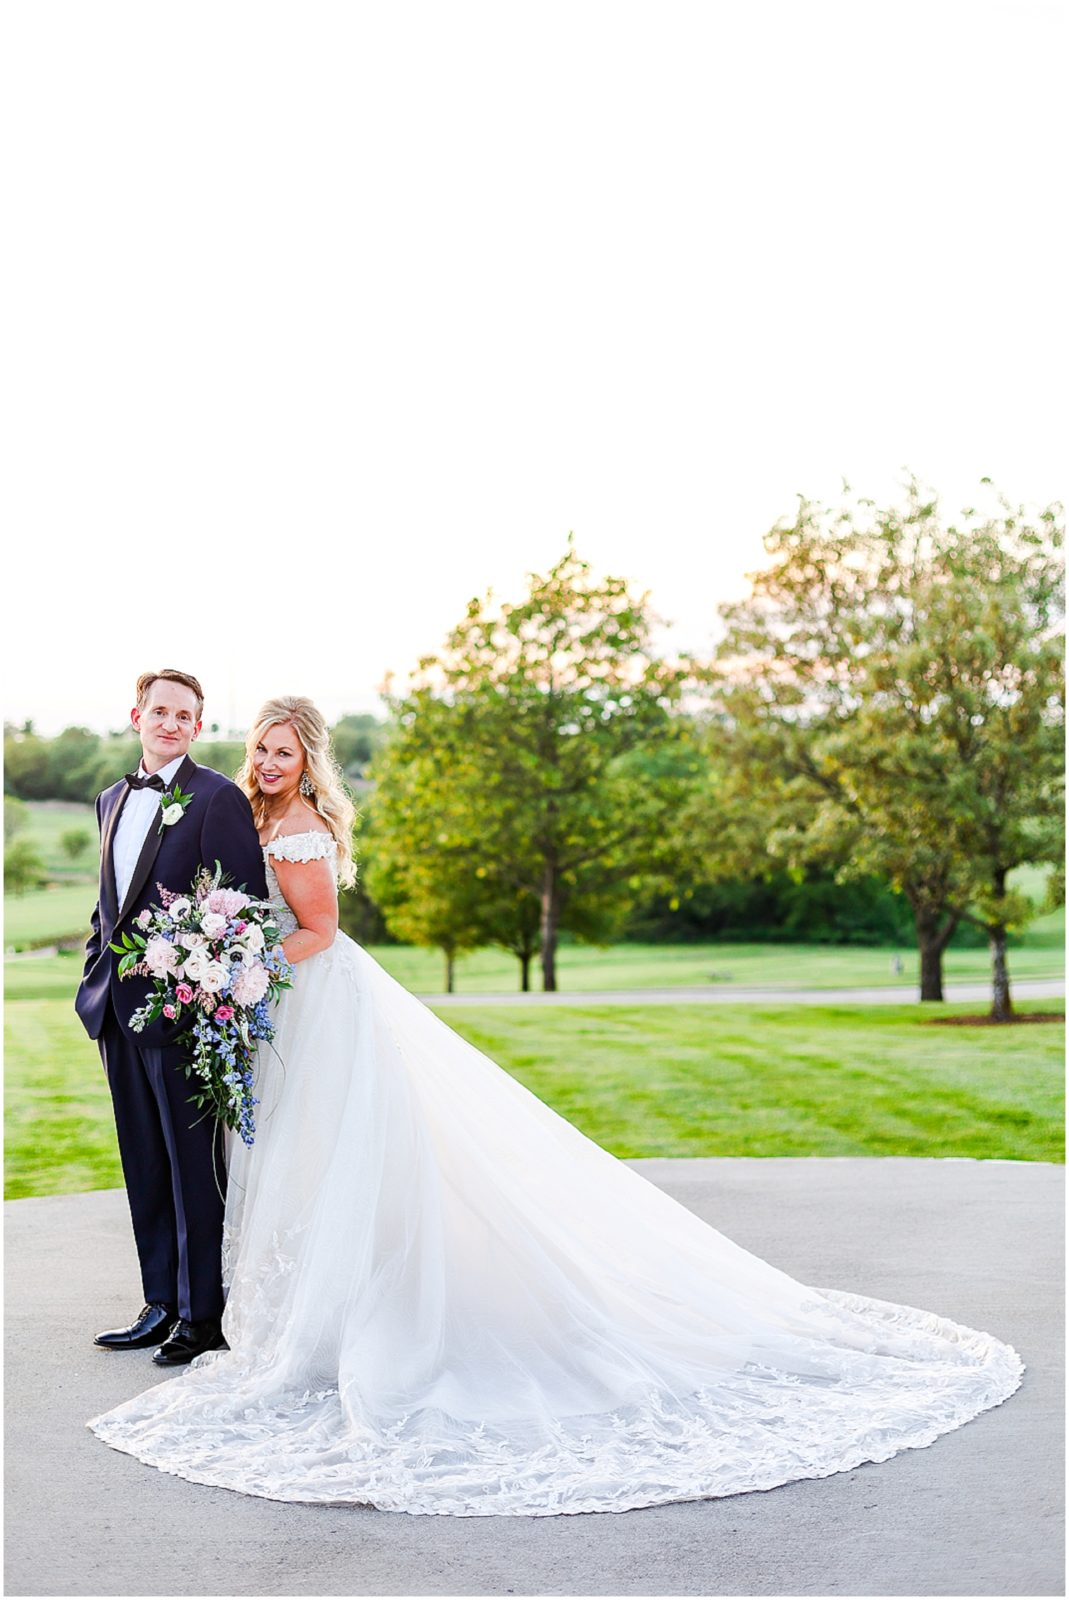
(172, 1157)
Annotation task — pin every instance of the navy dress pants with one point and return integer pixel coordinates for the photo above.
(173, 1165)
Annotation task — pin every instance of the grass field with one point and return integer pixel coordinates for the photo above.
(46, 823)
(676, 1081)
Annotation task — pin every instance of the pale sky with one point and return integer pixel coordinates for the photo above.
(321, 320)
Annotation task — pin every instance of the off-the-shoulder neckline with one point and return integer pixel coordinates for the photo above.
(301, 833)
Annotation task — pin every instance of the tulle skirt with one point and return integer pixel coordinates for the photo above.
(443, 1298)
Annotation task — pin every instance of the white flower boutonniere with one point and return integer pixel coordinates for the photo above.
(173, 805)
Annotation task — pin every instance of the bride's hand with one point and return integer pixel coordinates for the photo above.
(309, 890)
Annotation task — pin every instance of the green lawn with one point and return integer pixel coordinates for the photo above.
(48, 916)
(47, 821)
(677, 1081)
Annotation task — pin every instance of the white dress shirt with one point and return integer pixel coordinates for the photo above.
(141, 809)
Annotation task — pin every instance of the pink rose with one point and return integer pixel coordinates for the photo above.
(224, 1013)
(239, 927)
(227, 902)
(170, 1011)
(184, 993)
(144, 920)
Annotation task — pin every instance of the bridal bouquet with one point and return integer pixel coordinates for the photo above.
(216, 952)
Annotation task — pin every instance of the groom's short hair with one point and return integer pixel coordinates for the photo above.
(172, 675)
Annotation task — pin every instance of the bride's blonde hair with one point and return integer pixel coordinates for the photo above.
(330, 799)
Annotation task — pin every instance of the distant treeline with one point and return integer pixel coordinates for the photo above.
(77, 764)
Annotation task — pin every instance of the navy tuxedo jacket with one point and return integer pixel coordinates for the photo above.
(217, 826)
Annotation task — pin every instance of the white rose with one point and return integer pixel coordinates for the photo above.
(172, 814)
(195, 963)
(192, 941)
(253, 938)
(213, 924)
(214, 977)
(179, 908)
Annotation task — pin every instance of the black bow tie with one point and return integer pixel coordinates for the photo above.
(153, 782)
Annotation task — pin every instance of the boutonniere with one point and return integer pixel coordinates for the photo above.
(173, 805)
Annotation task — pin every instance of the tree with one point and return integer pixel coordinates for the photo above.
(27, 771)
(358, 914)
(23, 867)
(975, 688)
(890, 690)
(421, 865)
(16, 816)
(73, 758)
(75, 842)
(550, 698)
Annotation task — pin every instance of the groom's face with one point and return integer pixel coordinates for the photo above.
(167, 723)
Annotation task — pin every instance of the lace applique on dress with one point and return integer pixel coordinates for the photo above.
(311, 846)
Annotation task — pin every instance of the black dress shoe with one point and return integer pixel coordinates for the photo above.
(152, 1324)
(186, 1340)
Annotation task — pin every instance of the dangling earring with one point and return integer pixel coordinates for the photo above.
(308, 788)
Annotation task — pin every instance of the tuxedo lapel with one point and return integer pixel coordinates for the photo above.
(153, 839)
(109, 894)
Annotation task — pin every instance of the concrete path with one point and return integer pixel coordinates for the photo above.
(976, 1513)
(734, 994)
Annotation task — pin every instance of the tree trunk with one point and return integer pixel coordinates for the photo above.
(525, 972)
(449, 960)
(933, 937)
(931, 953)
(1001, 1004)
(549, 921)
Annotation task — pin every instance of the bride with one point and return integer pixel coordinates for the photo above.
(443, 1298)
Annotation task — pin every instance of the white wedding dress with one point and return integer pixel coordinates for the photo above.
(443, 1298)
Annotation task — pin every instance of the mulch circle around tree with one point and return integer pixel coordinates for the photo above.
(986, 1021)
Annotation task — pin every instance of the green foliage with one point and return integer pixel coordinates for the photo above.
(27, 768)
(75, 842)
(426, 867)
(16, 816)
(23, 867)
(783, 908)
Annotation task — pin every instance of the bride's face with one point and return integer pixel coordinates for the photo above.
(278, 761)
